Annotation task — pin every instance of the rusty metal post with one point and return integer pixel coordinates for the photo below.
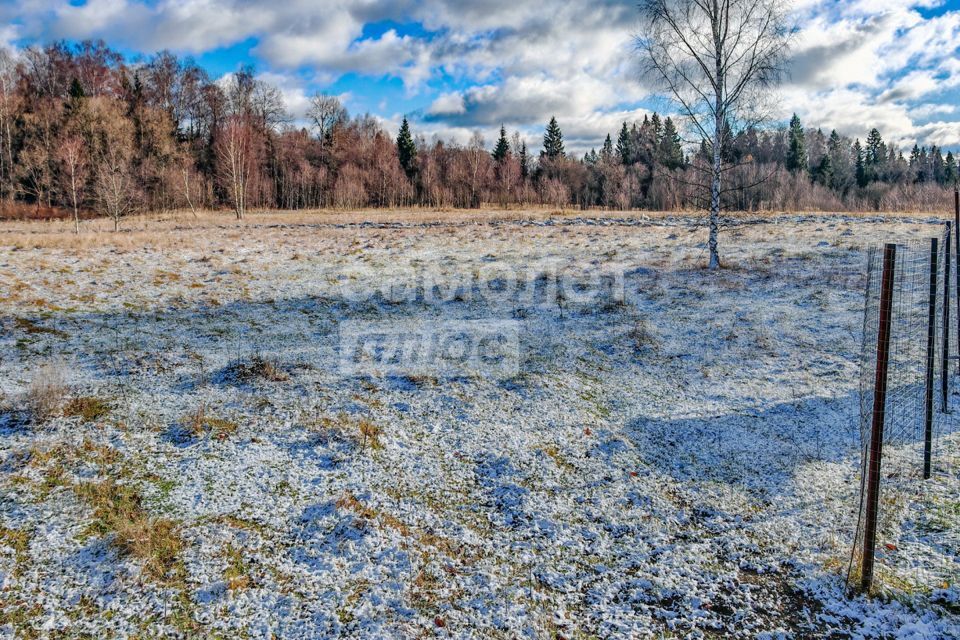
(931, 349)
(879, 404)
(956, 226)
(945, 359)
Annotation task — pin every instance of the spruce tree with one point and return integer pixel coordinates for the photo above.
(797, 146)
(823, 174)
(553, 141)
(670, 152)
(407, 149)
(875, 153)
(657, 127)
(859, 163)
(606, 154)
(950, 169)
(524, 161)
(624, 146)
(502, 150)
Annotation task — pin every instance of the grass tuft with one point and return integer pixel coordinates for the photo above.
(119, 510)
(88, 408)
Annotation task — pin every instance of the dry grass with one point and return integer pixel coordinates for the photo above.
(47, 393)
(260, 368)
(201, 424)
(88, 408)
(118, 509)
(237, 574)
(369, 433)
(18, 540)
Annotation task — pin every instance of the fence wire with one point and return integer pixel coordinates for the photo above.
(917, 545)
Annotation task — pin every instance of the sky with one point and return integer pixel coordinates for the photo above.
(458, 66)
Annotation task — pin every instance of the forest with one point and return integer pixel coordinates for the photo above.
(86, 132)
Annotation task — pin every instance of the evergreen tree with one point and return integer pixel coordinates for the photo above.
(859, 163)
(524, 161)
(624, 146)
(875, 153)
(553, 141)
(657, 126)
(407, 149)
(797, 147)
(670, 152)
(606, 153)
(823, 173)
(76, 90)
(502, 150)
(950, 169)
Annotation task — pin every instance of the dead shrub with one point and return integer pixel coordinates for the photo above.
(47, 393)
(259, 368)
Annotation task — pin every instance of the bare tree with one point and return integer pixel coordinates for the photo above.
(327, 114)
(234, 159)
(8, 99)
(716, 59)
(115, 188)
(72, 158)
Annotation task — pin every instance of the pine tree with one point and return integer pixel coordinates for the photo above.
(553, 141)
(407, 149)
(797, 147)
(670, 152)
(524, 161)
(502, 150)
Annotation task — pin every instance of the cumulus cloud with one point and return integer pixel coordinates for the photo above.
(857, 63)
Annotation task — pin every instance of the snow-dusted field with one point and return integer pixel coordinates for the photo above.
(681, 462)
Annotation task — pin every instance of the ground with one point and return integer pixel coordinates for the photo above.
(184, 454)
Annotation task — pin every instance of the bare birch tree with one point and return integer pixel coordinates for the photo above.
(233, 154)
(72, 157)
(717, 59)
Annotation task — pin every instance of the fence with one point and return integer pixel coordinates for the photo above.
(902, 541)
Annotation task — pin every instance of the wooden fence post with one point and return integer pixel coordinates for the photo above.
(879, 404)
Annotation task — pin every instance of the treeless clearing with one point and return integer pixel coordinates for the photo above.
(183, 228)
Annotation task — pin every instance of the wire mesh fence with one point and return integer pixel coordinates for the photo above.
(902, 541)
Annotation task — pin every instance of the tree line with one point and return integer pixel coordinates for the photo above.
(85, 130)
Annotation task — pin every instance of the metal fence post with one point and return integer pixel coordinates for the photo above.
(945, 360)
(956, 225)
(931, 349)
(879, 403)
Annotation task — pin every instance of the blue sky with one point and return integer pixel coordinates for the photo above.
(457, 66)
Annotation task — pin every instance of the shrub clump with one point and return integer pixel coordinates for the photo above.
(47, 393)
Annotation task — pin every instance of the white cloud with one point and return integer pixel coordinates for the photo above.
(858, 63)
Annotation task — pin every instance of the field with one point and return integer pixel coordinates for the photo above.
(182, 453)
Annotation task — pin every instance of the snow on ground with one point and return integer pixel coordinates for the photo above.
(679, 463)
